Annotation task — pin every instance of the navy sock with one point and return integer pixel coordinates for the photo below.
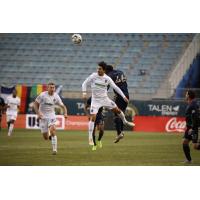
(118, 125)
(100, 135)
(94, 138)
(186, 150)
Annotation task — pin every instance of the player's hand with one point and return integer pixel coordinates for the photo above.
(40, 115)
(126, 100)
(65, 116)
(190, 132)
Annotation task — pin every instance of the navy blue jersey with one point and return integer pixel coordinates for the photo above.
(120, 80)
(192, 115)
(2, 104)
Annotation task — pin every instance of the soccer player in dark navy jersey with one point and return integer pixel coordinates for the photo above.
(192, 115)
(2, 107)
(120, 80)
(99, 124)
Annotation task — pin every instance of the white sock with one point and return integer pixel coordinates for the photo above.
(122, 116)
(54, 142)
(10, 129)
(90, 129)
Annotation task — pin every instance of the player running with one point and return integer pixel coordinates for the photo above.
(192, 123)
(12, 106)
(120, 80)
(99, 83)
(44, 107)
(99, 124)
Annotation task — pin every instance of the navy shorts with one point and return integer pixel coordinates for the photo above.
(191, 136)
(121, 104)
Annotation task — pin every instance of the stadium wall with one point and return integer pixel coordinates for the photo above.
(143, 123)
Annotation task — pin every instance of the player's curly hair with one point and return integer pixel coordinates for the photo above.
(103, 65)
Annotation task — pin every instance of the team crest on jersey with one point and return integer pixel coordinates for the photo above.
(54, 100)
(106, 81)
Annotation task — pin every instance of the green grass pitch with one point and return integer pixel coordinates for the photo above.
(27, 148)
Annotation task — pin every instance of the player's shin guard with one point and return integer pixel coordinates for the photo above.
(118, 122)
(10, 129)
(54, 142)
(186, 150)
(90, 130)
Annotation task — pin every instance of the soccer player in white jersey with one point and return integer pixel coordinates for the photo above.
(99, 83)
(12, 106)
(44, 106)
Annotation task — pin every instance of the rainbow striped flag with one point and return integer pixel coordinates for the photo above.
(22, 94)
(37, 89)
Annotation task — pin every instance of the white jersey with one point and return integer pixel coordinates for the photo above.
(99, 86)
(47, 104)
(13, 103)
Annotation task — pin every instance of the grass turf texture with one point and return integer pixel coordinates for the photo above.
(28, 148)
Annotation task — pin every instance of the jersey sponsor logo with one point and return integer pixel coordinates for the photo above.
(175, 125)
(100, 85)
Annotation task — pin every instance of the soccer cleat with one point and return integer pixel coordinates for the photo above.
(50, 137)
(131, 124)
(119, 137)
(187, 162)
(99, 143)
(91, 143)
(54, 153)
(94, 148)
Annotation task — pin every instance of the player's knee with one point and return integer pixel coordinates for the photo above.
(45, 136)
(52, 130)
(93, 118)
(185, 142)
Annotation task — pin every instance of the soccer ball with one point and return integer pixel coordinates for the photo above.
(76, 38)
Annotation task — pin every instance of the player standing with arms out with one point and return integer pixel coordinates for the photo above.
(120, 80)
(192, 125)
(99, 124)
(99, 83)
(44, 106)
(2, 106)
(12, 106)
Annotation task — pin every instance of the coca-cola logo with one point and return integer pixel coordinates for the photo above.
(175, 125)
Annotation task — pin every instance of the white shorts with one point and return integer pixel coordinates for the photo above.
(11, 117)
(96, 104)
(46, 123)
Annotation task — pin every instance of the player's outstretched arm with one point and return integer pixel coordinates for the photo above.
(118, 90)
(65, 110)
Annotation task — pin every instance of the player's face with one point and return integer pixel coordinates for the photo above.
(51, 89)
(100, 71)
(14, 93)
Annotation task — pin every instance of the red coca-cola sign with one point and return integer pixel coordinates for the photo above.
(159, 124)
(175, 125)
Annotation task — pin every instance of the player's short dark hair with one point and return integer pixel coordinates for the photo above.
(51, 83)
(109, 68)
(103, 65)
(191, 94)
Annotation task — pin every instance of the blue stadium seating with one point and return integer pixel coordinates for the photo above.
(38, 58)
